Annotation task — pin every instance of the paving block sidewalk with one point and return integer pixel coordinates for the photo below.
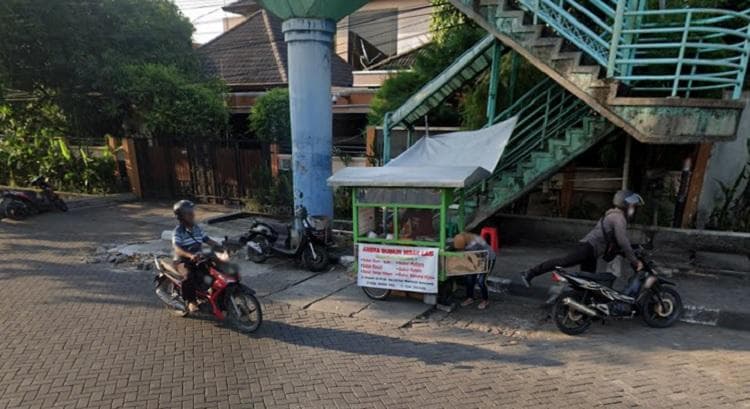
(709, 299)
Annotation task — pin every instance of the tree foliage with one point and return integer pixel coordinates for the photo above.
(269, 117)
(161, 100)
(33, 145)
(76, 54)
(455, 37)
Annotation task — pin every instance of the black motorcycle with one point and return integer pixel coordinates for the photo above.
(307, 239)
(590, 296)
(18, 205)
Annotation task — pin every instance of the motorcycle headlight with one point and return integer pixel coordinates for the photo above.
(223, 256)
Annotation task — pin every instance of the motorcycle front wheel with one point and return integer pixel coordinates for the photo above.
(662, 308)
(568, 320)
(315, 262)
(244, 310)
(60, 204)
(258, 249)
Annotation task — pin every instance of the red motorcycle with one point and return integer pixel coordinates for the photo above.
(219, 291)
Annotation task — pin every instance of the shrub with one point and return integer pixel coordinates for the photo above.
(33, 145)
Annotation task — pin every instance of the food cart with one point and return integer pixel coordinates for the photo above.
(406, 213)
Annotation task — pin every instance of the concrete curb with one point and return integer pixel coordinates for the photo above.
(693, 314)
(101, 201)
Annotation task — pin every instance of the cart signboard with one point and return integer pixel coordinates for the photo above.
(404, 268)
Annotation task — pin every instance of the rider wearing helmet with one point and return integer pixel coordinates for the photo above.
(187, 241)
(607, 239)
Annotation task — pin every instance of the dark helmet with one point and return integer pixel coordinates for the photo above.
(625, 198)
(181, 207)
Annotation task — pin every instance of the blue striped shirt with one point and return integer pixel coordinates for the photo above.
(188, 239)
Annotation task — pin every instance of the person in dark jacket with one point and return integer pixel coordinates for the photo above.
(610, 231)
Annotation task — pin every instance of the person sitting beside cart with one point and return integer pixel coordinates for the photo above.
(472, 242)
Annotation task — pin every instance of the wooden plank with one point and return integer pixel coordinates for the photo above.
(131, 166)
(181, 171)
(274, 148)
(696, 183)
(371, 141)
(566, 194)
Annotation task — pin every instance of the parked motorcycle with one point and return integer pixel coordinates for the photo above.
(18, 205)
(590, 296)
(307, 239)
(220, 292)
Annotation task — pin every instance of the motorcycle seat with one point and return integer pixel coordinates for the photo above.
(604, 278)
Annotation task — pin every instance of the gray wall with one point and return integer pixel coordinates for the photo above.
(727, 160)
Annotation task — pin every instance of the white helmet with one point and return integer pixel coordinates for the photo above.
(625, 198)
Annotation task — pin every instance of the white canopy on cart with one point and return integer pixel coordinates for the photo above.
(453, 160)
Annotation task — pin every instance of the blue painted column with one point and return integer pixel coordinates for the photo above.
(309, 47)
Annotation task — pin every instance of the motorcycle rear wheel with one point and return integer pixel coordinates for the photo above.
(17, 210)
(244, 310)
(568, 320)
(166, 288)
(662, 308)
(317, 262)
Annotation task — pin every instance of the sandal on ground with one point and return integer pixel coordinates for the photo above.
(467, 302)
(483, 305)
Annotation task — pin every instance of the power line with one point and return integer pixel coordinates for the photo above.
(373, 35)
(400, 14)
(374, 44)
(354, 26)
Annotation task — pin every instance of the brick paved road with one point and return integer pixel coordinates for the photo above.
(74, 335)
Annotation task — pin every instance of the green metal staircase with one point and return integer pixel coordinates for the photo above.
(663, 76)
(609, 64)
(553, 128)
(467, 67)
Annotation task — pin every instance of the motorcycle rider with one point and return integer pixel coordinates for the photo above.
(607, 239)
(187, 241)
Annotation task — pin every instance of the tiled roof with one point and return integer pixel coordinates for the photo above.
(402, 61)
(253, 55)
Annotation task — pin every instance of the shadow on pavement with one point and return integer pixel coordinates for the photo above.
(362, 343)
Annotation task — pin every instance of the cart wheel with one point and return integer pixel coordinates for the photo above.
(376, 293)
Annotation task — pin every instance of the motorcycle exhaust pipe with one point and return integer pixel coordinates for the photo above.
(579, 307)
(169, 300)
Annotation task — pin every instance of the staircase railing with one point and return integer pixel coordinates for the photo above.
(546, 111)
(589, 24)
(681, 51)
(675, 51)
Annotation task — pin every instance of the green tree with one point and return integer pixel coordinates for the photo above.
(74, 52)
(162, 101)
(269, 117)
(33, 145)
(431, 61)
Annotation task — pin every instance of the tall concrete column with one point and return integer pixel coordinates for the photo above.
(309, 47)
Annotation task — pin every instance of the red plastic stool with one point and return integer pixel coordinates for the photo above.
(490, 235)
